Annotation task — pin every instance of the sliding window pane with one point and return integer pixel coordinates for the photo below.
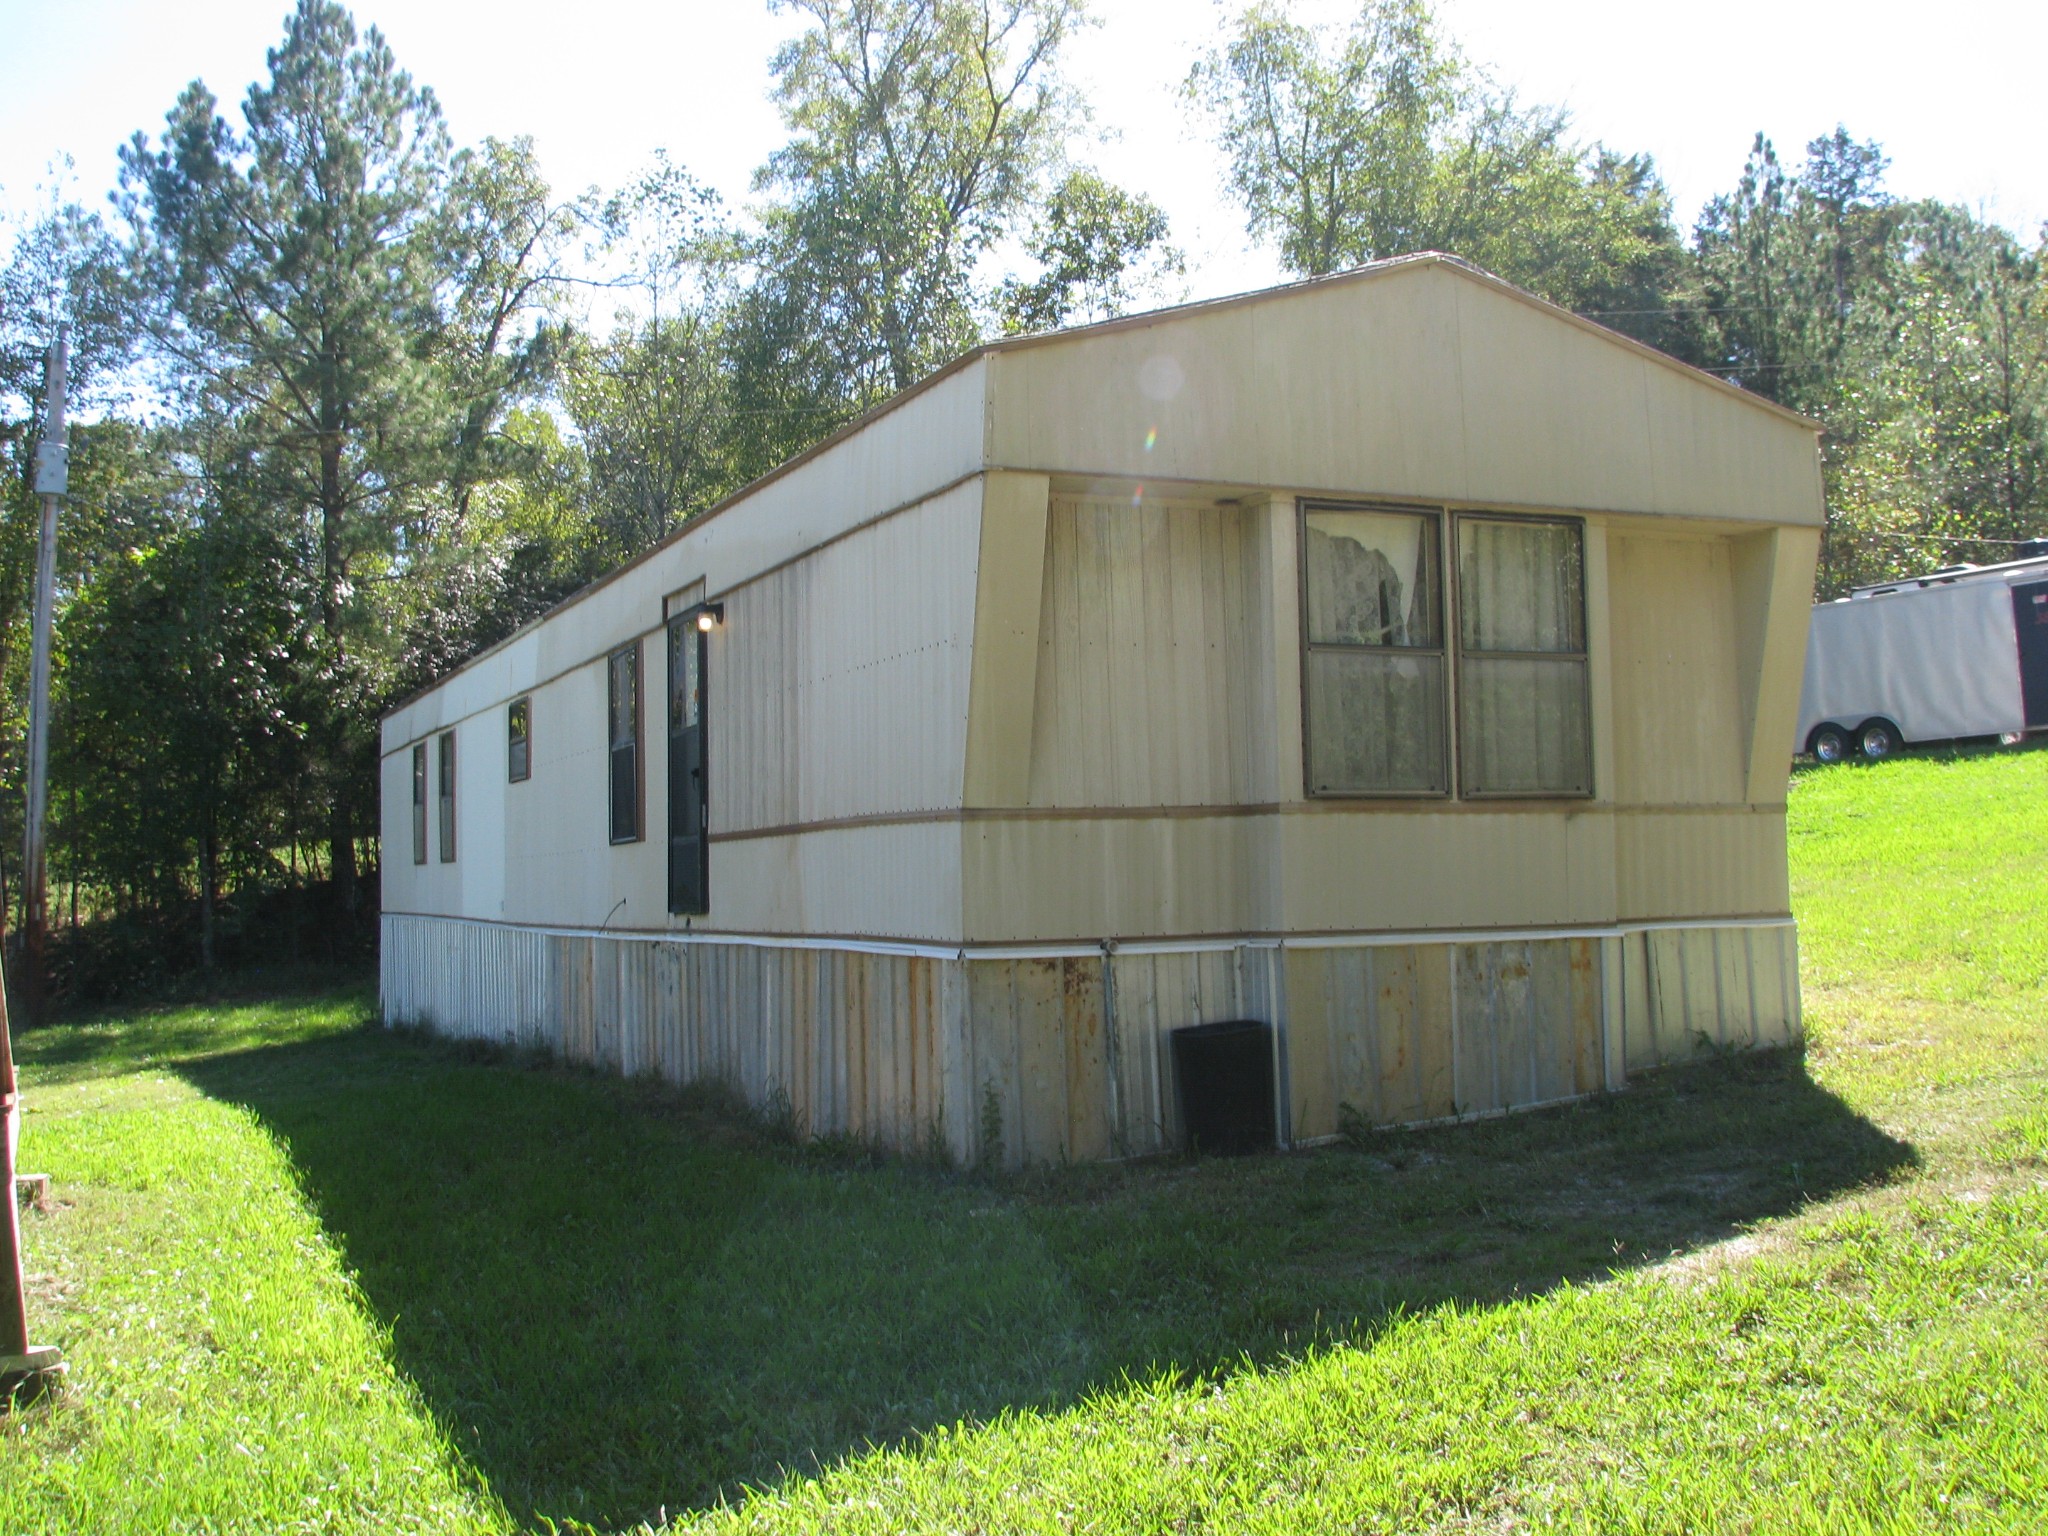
(1376, 722)
(1522, 726)
(1521, 586)
(1371, 579)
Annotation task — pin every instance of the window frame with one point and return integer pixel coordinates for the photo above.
(1448, 520)
(419, 801)
(518, 764)
(445, 793)
(1438, 520)
(1455, 638)
(638, 710)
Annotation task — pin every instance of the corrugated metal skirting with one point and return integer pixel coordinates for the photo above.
(1035, 1059)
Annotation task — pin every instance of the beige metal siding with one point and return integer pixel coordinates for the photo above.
(1701, 864)
(886, 881)
(1678, 726)
(840, 686)
(1320, 870)
(838, 691)
(1418, 381)
(1150, 636)
(1008, 592)
(1773, 581)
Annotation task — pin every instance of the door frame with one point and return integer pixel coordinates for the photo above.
(698, 639)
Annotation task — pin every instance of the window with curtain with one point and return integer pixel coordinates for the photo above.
(519, 740)
(1523, 711)
(419, 802)
(1374, 695)
(623, 721)
(447, 767)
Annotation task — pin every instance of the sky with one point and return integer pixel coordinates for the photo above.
(1951, 91)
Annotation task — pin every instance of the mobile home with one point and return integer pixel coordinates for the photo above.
(1391, 658)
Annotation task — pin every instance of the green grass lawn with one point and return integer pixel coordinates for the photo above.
(312, 1276)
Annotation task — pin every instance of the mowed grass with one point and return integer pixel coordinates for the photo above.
(314, 1276)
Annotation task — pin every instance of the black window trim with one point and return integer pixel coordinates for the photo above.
(639, 708)
(444, 799)
(520, 774)
(685, 622)
(419, 801)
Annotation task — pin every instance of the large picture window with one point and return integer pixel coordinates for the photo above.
(622, 715)
(1523, 726)
(1376, 679)
(1373, 616)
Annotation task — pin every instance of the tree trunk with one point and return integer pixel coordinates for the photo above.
(209, 881)
(333, 577)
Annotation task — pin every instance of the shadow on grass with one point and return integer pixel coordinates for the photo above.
(618, 1298)
(1960, 749)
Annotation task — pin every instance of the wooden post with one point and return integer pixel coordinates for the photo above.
(25, 1369)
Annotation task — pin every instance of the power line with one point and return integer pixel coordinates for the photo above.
(1939, 538)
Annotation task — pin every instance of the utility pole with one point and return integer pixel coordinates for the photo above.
(26, 1369)
(52, 480)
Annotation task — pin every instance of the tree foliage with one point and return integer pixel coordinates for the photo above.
(924, 134)
(342, 296)
(1379, 140)
(1100, 251)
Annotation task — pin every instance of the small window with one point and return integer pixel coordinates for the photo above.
(519, 741)
(1374, 706)
(419, 802)
(447, 767)
(623, 723)
(1523, 710)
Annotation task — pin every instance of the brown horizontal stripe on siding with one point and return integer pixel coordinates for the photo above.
(1370, 807)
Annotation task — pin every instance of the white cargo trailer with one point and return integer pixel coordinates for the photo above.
(1963, 652)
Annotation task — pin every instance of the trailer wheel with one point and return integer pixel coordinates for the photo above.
(1878, 740)
(1829, 743)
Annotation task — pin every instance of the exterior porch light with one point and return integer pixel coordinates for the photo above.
(710, 616)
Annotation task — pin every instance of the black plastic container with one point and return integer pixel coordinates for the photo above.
(1224, 1073)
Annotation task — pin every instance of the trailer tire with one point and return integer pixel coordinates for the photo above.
(1829, 743)
(1878, 740)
